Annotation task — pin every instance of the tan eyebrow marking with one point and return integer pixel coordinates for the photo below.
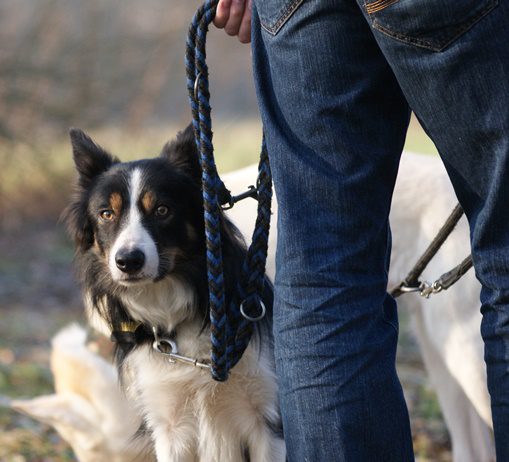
(148, 201)
(116, 202)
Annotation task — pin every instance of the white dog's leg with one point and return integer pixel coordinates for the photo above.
(174, 445)
(264, 447)
(218, 441)
(471, 437)
(174, 432)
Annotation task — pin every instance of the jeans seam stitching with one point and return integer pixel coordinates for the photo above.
(430, 44)
(379, 5)
(284, 15)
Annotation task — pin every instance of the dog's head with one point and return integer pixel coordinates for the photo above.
(139, 221)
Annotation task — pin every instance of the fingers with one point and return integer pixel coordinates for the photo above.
(236, 12)
(245, 25)
(234, 16)
(222, 13)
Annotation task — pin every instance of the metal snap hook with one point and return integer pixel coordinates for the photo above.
(263, 310)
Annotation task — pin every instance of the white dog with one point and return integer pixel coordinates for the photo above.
(88, 410)
(446, 326)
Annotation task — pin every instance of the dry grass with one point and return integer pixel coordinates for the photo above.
(35, 177)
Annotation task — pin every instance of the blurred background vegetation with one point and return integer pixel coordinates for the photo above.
(114, 68)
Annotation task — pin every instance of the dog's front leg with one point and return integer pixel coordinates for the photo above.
(176, 445)
(231, 437)
(264, 446)
(174, 432)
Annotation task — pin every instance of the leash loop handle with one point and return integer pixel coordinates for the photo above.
(230, 330)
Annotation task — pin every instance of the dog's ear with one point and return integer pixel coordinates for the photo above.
(182, 153)
(90, 159)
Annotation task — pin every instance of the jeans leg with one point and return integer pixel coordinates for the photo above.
(452, 62)
(335, 122)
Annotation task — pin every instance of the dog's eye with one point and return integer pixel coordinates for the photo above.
(107, 215)
(161, 211)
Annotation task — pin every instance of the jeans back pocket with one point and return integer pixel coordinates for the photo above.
(431, 24)
(274, 13)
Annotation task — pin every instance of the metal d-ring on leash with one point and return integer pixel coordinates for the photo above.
(231, 326)
(412, 283)
(259, 317)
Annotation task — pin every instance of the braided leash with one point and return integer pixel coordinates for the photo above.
(232, 327)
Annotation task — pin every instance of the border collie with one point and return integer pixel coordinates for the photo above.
(140, 252)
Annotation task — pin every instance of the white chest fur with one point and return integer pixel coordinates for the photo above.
(190, 416)
(193, 418)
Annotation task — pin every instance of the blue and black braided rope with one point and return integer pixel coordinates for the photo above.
(230, 330)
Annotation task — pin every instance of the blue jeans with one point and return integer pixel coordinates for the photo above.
(336, 80)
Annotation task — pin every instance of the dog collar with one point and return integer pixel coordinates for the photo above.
(131, 333)
(135, 333)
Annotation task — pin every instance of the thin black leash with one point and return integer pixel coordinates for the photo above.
(412, 283)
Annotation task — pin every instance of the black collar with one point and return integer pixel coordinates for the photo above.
(132, 333)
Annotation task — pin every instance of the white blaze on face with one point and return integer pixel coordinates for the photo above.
(133, 236)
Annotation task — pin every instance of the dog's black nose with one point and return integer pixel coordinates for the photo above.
(129, 261)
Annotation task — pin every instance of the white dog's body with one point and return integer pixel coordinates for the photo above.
(446, 327)
(88, 409)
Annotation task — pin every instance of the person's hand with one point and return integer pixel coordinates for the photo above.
(234, 16)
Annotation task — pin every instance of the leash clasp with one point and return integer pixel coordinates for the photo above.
(427, 289)
(168, 347)
(405, 289)
(252, 191)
